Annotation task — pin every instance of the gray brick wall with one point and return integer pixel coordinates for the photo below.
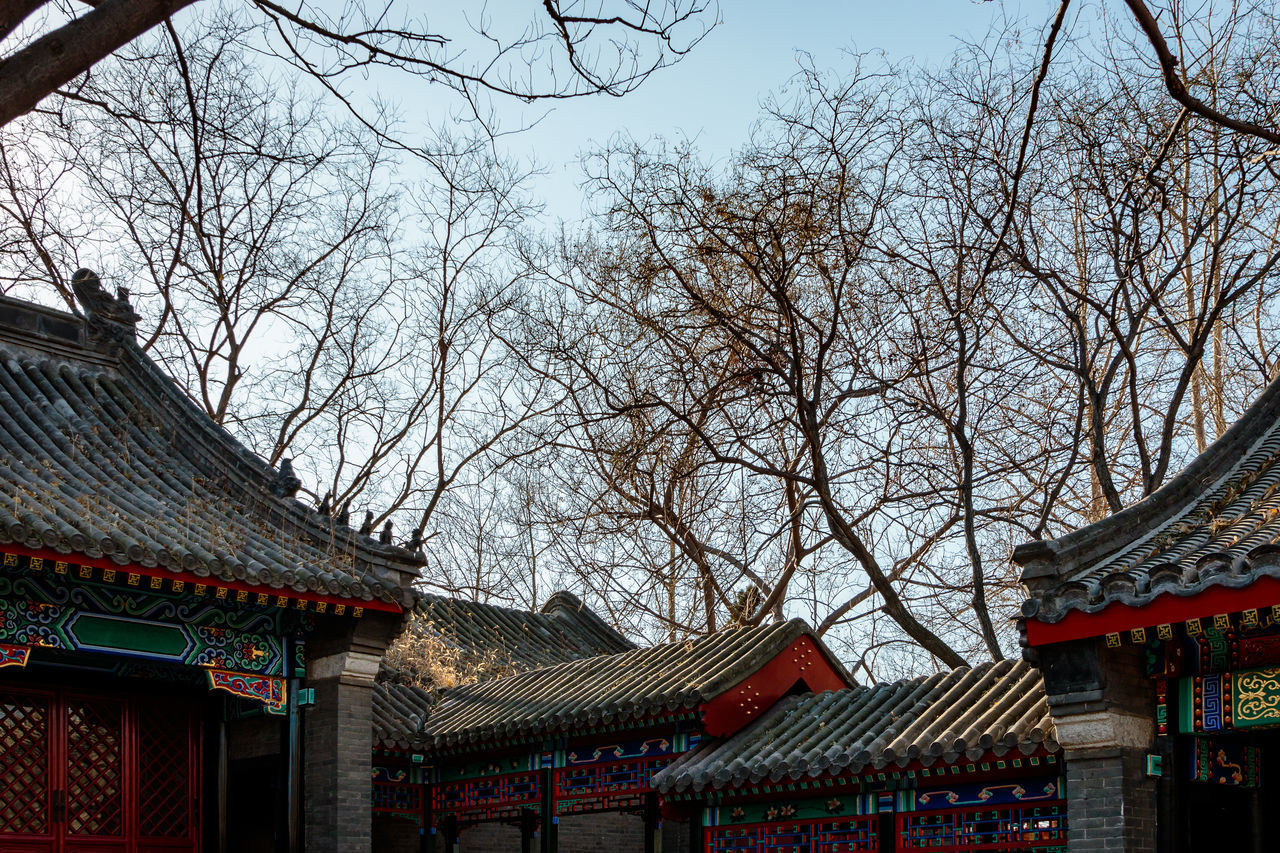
(1104, 706)
(611, 832)
(394, 835)
(338, 732)
(1111, 804)
(339, 748)
(675, 837)
(490, 838)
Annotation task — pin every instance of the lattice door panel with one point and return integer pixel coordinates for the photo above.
(26, 755)
(97, 774)
(165, 772)
(95, 768)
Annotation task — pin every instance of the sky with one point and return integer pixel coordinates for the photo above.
(713, 95)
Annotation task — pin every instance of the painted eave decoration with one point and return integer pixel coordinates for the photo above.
(232, 593)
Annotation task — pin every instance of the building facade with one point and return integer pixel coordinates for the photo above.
(1158, 634)
(193, 660)
(167, 611)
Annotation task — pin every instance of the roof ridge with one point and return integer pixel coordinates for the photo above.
(1047, 562)
(990, 708)
(261, 476)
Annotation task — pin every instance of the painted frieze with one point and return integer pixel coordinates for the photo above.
(1225, 763)
(270, 691)
(1229, 701)
(36, 612)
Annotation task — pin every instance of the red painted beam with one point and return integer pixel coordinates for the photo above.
(50, 557)
(1163, 610)
(751, 697)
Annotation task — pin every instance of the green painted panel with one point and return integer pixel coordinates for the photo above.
(152, 638)
(1255, 697)
(1186, 704)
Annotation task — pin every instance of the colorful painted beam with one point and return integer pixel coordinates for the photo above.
(270, 691)
(188, 640)
(1228, 701)
(14, 655)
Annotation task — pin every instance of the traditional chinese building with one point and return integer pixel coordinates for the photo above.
(746, 740)
(956, 762)
(563, 758)
(167, 612)
(480, 642)
(1158, 633)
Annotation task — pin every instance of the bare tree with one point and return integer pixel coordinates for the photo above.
(305, 300)
(755, 333)
(901, 333)
(1256, 117)
(1140, 245)
(565, 49)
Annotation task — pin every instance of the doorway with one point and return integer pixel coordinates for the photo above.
(98, 773)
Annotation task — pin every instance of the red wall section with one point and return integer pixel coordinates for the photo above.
(751, 697)
(1165, 609)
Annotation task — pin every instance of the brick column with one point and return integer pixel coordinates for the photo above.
(338, 733)
(1104, 710)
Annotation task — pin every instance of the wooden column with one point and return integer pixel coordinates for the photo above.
(886, 832)
(293, 751)
(528, 824)
(451, 832)
(427, 835)
(550, 823)
(223, 771)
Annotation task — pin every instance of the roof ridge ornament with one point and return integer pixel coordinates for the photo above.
(285, 484)
(107, 316)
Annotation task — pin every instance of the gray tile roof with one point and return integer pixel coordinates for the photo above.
(564, 630)
(969, 712)
(631, 685)
(1217, 523)
(399, 711)
(103, 456)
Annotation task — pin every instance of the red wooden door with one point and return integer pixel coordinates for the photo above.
(167, 774)
(26, 770)
(88, 773)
